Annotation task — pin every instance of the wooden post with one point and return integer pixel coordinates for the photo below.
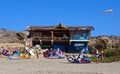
(40, 42)
(52, 37)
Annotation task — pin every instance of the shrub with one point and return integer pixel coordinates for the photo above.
(110, 55)
(112, 52)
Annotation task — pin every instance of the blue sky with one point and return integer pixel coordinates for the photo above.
(17, 14)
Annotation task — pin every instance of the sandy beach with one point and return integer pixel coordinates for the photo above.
(55, 66)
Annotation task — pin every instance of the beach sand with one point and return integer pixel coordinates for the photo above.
(55, 66)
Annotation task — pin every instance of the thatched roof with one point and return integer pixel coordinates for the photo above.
(60, 26)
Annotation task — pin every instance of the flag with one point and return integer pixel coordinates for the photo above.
(107, 11)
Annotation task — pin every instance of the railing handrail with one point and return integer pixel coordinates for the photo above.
(50, 38)
(57, 38)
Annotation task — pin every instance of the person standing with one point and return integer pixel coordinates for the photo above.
(1, 50)
(101, 55)
(37, 52)
(97, 56)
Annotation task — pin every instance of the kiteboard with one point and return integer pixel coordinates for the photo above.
(30, 51)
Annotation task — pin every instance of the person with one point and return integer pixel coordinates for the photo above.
(37, 52)
(101, 55)
(1, 50)
(97, 56)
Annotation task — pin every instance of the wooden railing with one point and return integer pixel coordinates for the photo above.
(42, 38)
(50, 38)
(61, 38)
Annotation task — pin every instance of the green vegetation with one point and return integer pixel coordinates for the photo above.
(110, 45)
(110, 55)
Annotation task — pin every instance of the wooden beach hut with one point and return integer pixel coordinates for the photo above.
(68, 38)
